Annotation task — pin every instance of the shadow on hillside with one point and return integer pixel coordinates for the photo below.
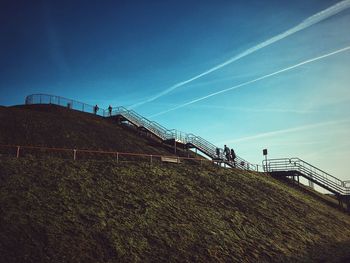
(331, 253)
(59, 127)
(328, 200)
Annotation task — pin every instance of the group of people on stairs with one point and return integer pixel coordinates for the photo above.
(229, 154)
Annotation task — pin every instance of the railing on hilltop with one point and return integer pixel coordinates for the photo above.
(140, 121)
(64, 102)
(309, 171)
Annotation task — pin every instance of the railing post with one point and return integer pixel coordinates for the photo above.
(74, 154)
(17, 154)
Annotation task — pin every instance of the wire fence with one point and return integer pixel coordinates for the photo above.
(15, 151)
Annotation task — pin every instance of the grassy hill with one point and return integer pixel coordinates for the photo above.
(54, 126)
(54, 210)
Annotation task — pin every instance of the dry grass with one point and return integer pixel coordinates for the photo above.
(58, 211)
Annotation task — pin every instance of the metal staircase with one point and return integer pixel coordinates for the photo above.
(166, 135)
(140, 121)
(190, 140)
(298, 167)
(211, 150)
(295, 167)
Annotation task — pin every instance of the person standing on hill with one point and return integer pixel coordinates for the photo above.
(110, 110)
(233, 156)
(227, 152)
(96, 109)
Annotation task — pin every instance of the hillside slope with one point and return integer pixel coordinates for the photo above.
(55, 210)
(54, 126)
(63, 211)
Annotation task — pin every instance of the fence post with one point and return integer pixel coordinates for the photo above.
(17, 154)
(74, 154)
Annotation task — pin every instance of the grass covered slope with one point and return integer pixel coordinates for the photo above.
(54, 126)
(62, 211)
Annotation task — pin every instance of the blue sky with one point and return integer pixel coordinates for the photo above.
(128, 52)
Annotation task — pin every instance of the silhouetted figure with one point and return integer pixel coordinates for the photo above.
(96, 109)
(110, 110)
(218, 152)
(227, 152)
(233, 156)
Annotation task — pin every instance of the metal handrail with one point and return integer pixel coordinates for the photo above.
(297, 165)
(61, 101)
(140, 121)
(296, 161)
(211, 150)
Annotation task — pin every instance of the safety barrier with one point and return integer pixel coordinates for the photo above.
(17, 151)
(286, 166)
(64, 102)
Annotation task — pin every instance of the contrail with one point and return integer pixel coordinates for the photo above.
(247, 109)
(314, 19)
(255, 80)
(289, 130)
